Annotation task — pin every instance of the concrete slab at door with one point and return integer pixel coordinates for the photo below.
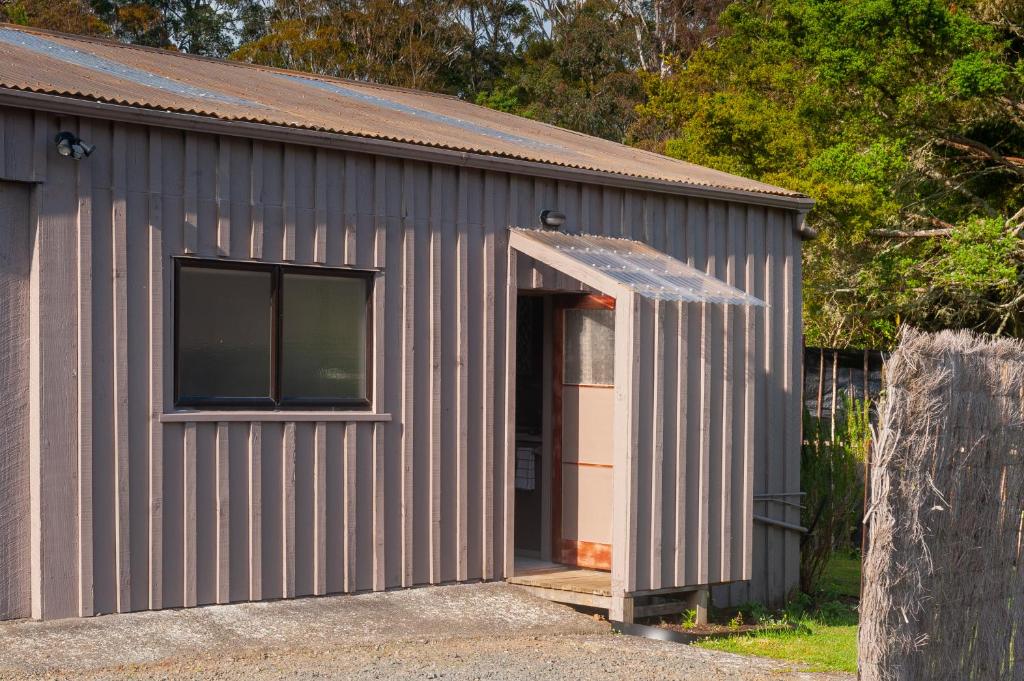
(584, 404)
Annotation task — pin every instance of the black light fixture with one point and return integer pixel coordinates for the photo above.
(552, 219)
(71, 145)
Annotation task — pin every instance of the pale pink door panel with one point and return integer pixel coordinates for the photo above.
(584, 401)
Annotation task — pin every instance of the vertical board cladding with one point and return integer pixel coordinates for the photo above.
(15, 267)
(718, 409)
(170, 513)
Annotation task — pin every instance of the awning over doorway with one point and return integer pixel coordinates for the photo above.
(614, 265)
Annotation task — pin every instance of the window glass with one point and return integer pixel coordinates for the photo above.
(253, 334)
(224, 333)
(589, 347)
(323, 338)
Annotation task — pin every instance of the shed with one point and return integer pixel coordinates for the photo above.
(282, 335)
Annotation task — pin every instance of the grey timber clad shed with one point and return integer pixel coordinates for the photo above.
(282, 335)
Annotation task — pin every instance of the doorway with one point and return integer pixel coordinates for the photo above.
(565, 350)
(533, 420)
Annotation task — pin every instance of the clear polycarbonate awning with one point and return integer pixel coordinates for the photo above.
(612, 265)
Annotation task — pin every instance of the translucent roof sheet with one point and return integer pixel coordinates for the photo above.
(640, 268)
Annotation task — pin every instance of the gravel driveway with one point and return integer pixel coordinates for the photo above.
(482, 631)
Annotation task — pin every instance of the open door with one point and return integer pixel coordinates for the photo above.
(584, 396)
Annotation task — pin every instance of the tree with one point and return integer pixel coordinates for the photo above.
(68, 16)
(902, 119)
(583, 62)
(584, 78)
(208, 27)
(412, 43)
(497, 32)
(669, 30)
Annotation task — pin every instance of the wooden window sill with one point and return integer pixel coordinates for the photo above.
(206, 416)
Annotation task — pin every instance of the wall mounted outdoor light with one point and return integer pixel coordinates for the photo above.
(552, 219)
(71, 145)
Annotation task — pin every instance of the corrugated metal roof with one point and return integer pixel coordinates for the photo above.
(641, 268)
(110, 72)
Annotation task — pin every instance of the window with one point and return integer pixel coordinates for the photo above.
(254, 335)
(589, 347)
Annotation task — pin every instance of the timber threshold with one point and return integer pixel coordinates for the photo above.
(593, 589)
(564, 583)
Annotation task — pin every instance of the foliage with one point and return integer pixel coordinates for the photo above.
(497, 32)
(831, 471)
(583, 77)
(737, 621)
(414, 43)
(821, 631)
(501, 98)
(978, 261)
(757, 613)
(583, 64)
(209, 27)
(842, 575)
(69, 16)
(902, 119)
(463, 47)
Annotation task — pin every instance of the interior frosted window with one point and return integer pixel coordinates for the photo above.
(224, 334)
(323, 339)
(589, 347)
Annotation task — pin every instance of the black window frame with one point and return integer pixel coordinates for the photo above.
(275, 402)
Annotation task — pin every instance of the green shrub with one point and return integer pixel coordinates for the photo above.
(756, 613)
(737, 621)
(832, 475)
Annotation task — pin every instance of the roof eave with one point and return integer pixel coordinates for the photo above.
(62, 104)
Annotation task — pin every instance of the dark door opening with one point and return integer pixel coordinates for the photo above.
(530, 383)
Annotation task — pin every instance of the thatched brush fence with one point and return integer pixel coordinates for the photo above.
(943, 578)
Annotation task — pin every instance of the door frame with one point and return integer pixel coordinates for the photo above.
(562, 302)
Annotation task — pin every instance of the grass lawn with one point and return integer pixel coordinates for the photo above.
(825, 647)
(826, 635)
(843, 575)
